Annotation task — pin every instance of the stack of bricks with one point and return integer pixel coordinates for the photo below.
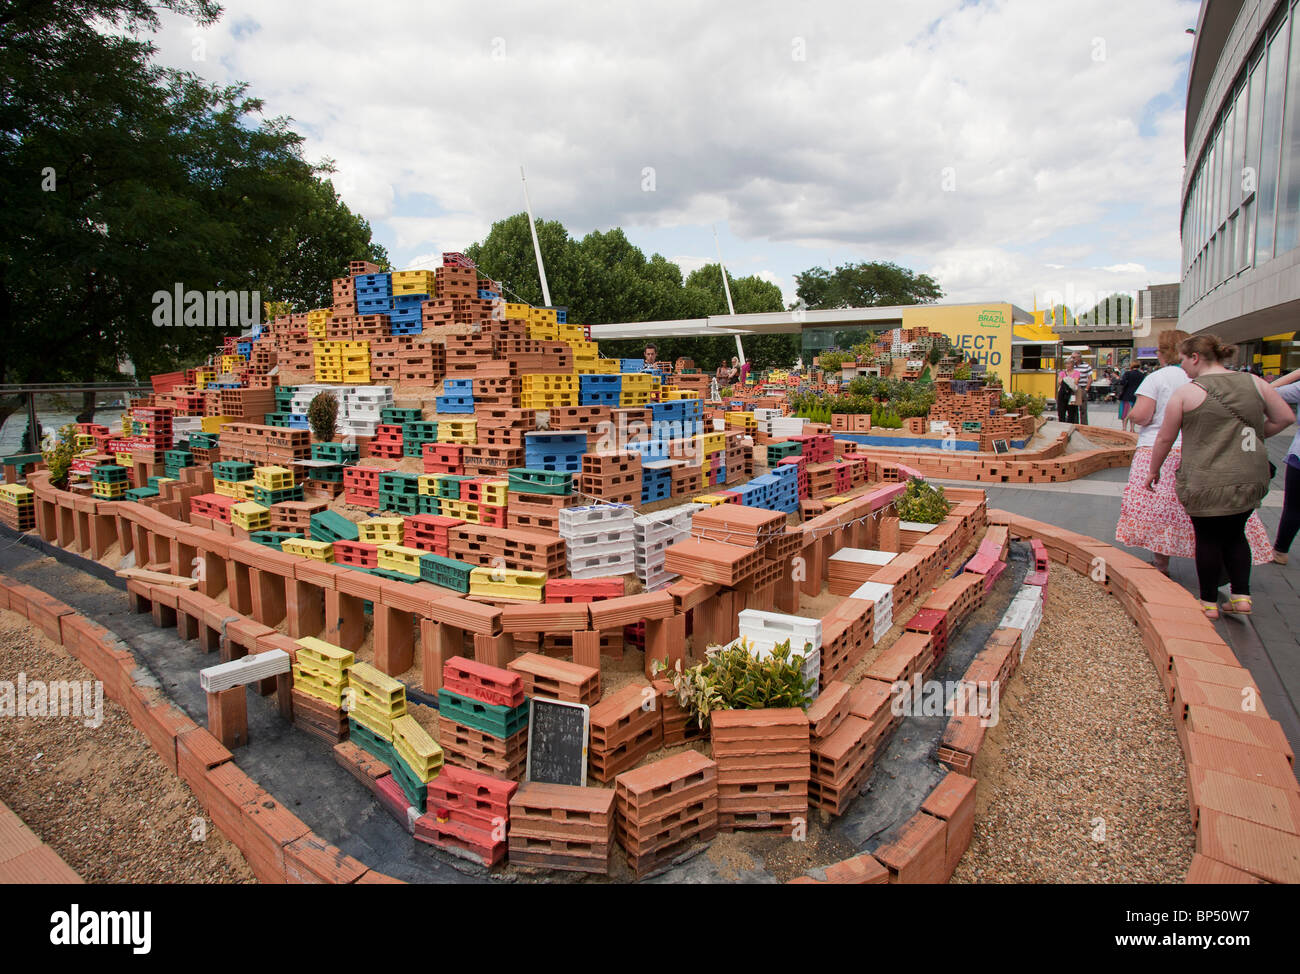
(264, 445)
(483, 718)
(763, 759)
(625, 727)
(958, 597)
(562, 827)
(679, 725)
(320, 677)
(523, 551)
(654, 533)
(18, 506)
(557, 679)
(665, 807)
(612, 477)
(468, 815)
(848, 568)
(848, 726)
(599, 539)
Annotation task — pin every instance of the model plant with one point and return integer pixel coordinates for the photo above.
(322, 416)
(57, 452)
(733, 678)
(922, 504)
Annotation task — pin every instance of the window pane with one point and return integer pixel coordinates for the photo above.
(1238, 147)
(1215, 170)
(1254, 113)
(1271, 135)
(1288, 220)
(1226, 204)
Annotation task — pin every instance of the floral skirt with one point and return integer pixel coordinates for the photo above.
(1155, 520)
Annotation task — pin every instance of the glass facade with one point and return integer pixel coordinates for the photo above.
(1243, 202)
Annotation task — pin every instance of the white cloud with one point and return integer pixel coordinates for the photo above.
(981, 143)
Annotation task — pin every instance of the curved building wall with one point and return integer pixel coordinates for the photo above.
(1241, 188)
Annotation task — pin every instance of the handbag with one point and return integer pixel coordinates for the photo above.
(1272, 467)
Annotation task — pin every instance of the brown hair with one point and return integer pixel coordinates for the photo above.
(1169, 342)
(1208, 347)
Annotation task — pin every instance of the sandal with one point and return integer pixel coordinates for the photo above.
(1238, 605)
(1210, 609)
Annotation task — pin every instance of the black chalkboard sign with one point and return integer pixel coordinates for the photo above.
(557, 742)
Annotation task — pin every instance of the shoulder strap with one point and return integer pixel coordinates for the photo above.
(1222, 402)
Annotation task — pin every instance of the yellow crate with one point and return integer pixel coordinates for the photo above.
(713, 500)
(314, 685)
(231, 363)
(549, 400)
(517, 311)
(397, 558)
(213, 424)
(638, 382)
(356, 377)
(586, 366)
(376, 723)
(84, 440)
(495, 493)
(316, 330)
(18, 495)
(713, 442)
(465, 510)
(547, 315)
(542, 331)
(377, 690)
(245, 488)
(380, 530)
(226, 488)
(324, 658)
(581, 347)
(202, 377)
(106, 491)
(308, 548)
(428, 483)
(414, 746)
(413, 282)
(457, 431)
(122, 459)
(570, 332)
(628, 400)
(550, 382)
(319, 316)
(273, 478)
(507, 583)
(250, 516)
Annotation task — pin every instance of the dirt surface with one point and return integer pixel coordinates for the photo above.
(1082, 779)
(101, 797)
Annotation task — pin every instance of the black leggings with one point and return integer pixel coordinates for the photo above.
(1290, 523)
(1221, 544)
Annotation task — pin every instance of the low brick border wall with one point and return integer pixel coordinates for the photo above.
(1050, 464)
(1239, 764)
(25, 859)
(277, 845)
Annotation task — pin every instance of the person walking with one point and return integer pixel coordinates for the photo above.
(1067, 392)
(1223, 418)
(1126, 393)
(1084, 368)
(1288, 387)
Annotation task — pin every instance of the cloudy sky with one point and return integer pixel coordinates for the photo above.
(1010, 149)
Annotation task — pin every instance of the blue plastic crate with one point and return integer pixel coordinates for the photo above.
(631, 365)
(382, 281)
(455, 404)
(374, 305)
(562, 316)
(598, 399)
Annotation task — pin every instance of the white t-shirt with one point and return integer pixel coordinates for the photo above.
(1160, 385)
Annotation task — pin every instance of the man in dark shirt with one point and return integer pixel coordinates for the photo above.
(1128, 386)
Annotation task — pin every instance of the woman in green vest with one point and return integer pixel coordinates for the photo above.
(1224, 418)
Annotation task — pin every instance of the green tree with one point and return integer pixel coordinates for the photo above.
(865, 285)
(122, 179)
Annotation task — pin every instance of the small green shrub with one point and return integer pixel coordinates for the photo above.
(922, 503)
(962, 371)
(733, 678)
(58, 451)
(322, 416)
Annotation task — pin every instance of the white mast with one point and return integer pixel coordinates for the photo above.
(731, 308)
(537, 249)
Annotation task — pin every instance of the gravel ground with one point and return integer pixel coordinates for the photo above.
(1082, 780)
(101, 797)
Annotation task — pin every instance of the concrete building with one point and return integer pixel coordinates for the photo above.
(1241, 187)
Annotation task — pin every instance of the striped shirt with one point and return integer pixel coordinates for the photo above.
(1085, 375)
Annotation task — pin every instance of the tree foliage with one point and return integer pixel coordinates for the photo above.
(122, 179)
(865, 285)
(603, 278)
